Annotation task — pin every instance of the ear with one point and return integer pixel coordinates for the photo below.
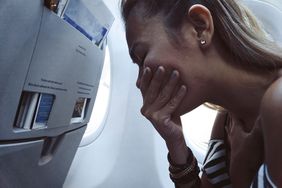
(202, 22)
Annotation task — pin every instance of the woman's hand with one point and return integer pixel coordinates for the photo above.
(159, 104)
(160, 100)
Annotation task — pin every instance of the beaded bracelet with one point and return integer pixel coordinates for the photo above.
(187, 173)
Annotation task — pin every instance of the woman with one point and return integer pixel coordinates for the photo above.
(191, 52)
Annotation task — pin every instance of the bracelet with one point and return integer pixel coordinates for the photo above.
(176, 168)
(187, 173)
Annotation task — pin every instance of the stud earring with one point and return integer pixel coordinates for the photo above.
(203, 42)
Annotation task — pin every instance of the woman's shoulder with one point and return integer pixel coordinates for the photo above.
(271, 123)
(271, 105)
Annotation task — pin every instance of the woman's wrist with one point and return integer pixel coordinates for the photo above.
(186, 173)
(178, 151)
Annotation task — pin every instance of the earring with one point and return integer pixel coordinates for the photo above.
(203, 42)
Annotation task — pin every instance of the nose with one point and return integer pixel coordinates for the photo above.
(138, 81)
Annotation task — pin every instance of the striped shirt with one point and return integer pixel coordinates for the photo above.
(215, 165)
(216, 168)
(262, 179)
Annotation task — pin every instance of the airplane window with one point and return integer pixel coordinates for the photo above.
(100, 109)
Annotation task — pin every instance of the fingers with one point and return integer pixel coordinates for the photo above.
(166, 93)
(162, 119)
(145, 81)
(175, 101)
(155, 97)
(161, 99)
(151, 84)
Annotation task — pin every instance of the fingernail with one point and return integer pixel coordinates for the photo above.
(159, 70)
(174, 74)
(183, 88)
(145, 71)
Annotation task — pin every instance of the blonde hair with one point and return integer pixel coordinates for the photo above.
(243, 35)
(236, 28)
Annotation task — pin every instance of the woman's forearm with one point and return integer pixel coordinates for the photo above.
(178, 151)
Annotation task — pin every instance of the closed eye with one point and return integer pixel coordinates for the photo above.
(137, 60)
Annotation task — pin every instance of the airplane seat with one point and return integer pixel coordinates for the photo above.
(50, 70)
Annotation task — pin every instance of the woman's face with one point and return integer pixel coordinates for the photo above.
(150, 46)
